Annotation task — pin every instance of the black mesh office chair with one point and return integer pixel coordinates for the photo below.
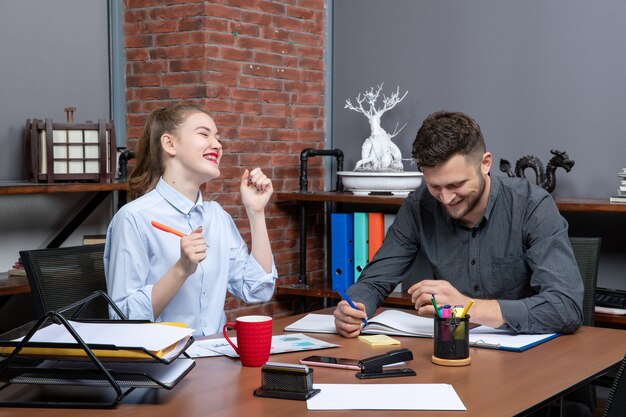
(587, 254)
(616, 403)
(59, 277)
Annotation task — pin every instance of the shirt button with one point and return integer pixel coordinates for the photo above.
(476, 287)
(204, 324)
(473, 262)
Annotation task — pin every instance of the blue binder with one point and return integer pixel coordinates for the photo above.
(342, 250)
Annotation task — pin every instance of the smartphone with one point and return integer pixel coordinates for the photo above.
(331, 362)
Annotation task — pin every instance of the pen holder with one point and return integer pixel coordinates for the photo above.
(451, 341)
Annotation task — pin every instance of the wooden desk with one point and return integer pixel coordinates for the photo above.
(496, 384)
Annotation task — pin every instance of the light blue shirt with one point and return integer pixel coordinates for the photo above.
(137, 255)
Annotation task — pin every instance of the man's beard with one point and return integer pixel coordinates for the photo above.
(472, 200)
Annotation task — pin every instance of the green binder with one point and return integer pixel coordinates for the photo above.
(360, 243)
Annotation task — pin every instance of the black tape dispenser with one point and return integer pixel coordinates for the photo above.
(373, 367)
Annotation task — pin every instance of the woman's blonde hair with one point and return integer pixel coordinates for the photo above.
(149, 166)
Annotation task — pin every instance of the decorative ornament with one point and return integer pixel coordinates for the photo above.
(547, 179)
(378, 152)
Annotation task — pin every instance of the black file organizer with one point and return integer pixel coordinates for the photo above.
(121, 375)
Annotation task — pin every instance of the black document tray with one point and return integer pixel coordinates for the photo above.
(88, 370)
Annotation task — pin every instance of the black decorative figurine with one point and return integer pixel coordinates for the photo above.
(546, 179)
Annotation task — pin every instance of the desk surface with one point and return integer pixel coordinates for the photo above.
(497, 383)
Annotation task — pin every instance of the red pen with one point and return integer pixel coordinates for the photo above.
(167, 229)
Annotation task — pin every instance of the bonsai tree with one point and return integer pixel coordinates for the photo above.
(378, 152)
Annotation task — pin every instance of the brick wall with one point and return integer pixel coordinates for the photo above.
(258, 67)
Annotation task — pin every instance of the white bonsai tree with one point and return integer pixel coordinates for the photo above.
(378, 152)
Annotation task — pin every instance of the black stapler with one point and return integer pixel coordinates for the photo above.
(373, 367)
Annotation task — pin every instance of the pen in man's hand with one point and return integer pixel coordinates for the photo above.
(345, 297)
(167, 229)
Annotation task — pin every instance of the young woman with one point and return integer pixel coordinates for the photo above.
(156, 275)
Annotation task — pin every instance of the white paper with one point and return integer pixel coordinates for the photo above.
(280, 344)
(400, 323)
(151, 336)
(316, 323)
(489, 337)
(385, 397)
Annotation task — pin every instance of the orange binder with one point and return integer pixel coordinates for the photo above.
(376, 233)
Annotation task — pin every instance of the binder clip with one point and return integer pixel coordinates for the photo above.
(286, 381)
(373, 367)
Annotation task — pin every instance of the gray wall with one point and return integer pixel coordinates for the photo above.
(535, 75)
(55, 54)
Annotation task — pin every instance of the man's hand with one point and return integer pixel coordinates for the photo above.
(349, 321)
(444, 292)
(486, 312)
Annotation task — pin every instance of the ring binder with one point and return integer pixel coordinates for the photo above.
(44, 363)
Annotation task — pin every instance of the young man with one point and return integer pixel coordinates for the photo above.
(497, 240)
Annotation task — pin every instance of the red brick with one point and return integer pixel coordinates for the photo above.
(271, 7)
(311, 63)
(246, 107)
(218, 10)
(276, 110)
(275, 33)
(258, 44)
(273, 122)
(274, 97)
(257, 70)
(313, 26)
(159, 26)
(246, 95)
(167, 52)
(310, 51)
(235, 54)
(262, 19)
(249, 133)
(143, 80)
(137, 54)
(246, 29)
(191, 24)
(302, 38)
(288, 23)
(282, 48)
(222, 38)
(185, 92)
(149, 67)
(260, 83)
(300, 12)
(195, 64)
(177, 11)
(138, 41)
(222, 65)
(173, 39)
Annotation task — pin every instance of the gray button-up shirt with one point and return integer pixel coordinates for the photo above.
(519, 255)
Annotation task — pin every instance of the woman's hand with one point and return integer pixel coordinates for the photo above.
(256, 190)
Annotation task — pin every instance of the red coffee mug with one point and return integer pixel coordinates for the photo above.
(254, 339)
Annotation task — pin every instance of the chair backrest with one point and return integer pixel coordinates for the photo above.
(587, 253)
(616, 403)
(61, 276)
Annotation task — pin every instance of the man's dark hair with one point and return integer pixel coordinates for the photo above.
(445, 134)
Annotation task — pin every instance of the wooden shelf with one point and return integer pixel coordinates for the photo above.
(396, 298)
(10, 284)
(20, 188)
(339, 197)
(564, 204)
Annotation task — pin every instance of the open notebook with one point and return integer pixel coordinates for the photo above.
(391, 322)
